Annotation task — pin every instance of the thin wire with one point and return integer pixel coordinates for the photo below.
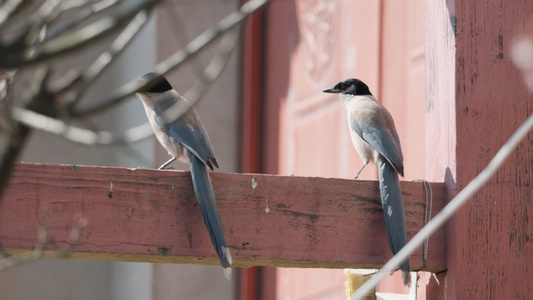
(427, 215)
(427, 219)
(448, 211)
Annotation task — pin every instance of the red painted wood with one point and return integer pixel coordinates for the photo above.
(248, 283)
(440, 124)
(152, 216)
(313, 45)
(306, 130)
(401, 89)
(492, 231)
(402, 78)
(251, 118)
(320, 42)
(251, 115)
(476, 99)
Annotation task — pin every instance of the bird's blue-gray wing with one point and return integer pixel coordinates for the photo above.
(386, 142)
(188, 130)
(195, 139)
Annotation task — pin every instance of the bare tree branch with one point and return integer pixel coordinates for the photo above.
(74, 82)
(9, 261)
(212, 71)
(55, 126)
(48, 11)
(15, 134)
(44, 103)
(210, 74)
(41, 100)
(178, 28)
(80, 17)
(177, 59)
(13, 57)
(135, 134)
(7, 9)
(106, 58)
(215, 67)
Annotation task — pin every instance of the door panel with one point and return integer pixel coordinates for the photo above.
(311, 45)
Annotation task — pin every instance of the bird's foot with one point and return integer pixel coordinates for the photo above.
(369, 274)
(164, 166)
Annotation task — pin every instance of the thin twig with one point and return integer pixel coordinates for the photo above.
(106, 58)
(15, 138)
(9, 261)
(52, 125)
(72, 241)
(135, 134)
(48, 11)
(74, 40)
(80, 17)
(211, 72)
(191, 49)
(180, 35)
(7, 10)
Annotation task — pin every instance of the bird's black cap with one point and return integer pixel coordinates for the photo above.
(159, 85)
(350, 86)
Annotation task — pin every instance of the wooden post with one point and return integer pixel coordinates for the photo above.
(475, 100)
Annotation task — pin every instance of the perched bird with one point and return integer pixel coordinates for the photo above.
(375, 139)
(186, 139)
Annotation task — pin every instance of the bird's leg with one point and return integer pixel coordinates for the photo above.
(357, 175)
(167, 163)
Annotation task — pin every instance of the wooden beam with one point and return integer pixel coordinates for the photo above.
(147, 215)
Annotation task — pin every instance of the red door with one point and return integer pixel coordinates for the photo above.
(309, 45)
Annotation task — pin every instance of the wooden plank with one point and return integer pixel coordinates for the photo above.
(147, 215)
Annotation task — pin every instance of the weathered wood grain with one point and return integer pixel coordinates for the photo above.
(148, 215)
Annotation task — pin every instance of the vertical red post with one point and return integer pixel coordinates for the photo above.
(475, 100)
(251, 120)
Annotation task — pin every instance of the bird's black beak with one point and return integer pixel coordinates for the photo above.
(332, 90)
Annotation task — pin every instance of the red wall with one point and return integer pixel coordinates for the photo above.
(311, 45)
(474, 99)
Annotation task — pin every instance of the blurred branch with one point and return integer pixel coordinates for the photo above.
(7, 9)
(179, 32)
(177, 59)
(55, 126)
(135, 134)
(14, 133)
(106, 58)
(46, 13)
(80, 17)
(12, 56)
(9, 261)
(45, 102)
(211, 72)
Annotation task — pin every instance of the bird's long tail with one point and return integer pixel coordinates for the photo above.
(391, 199)
(206, 200)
